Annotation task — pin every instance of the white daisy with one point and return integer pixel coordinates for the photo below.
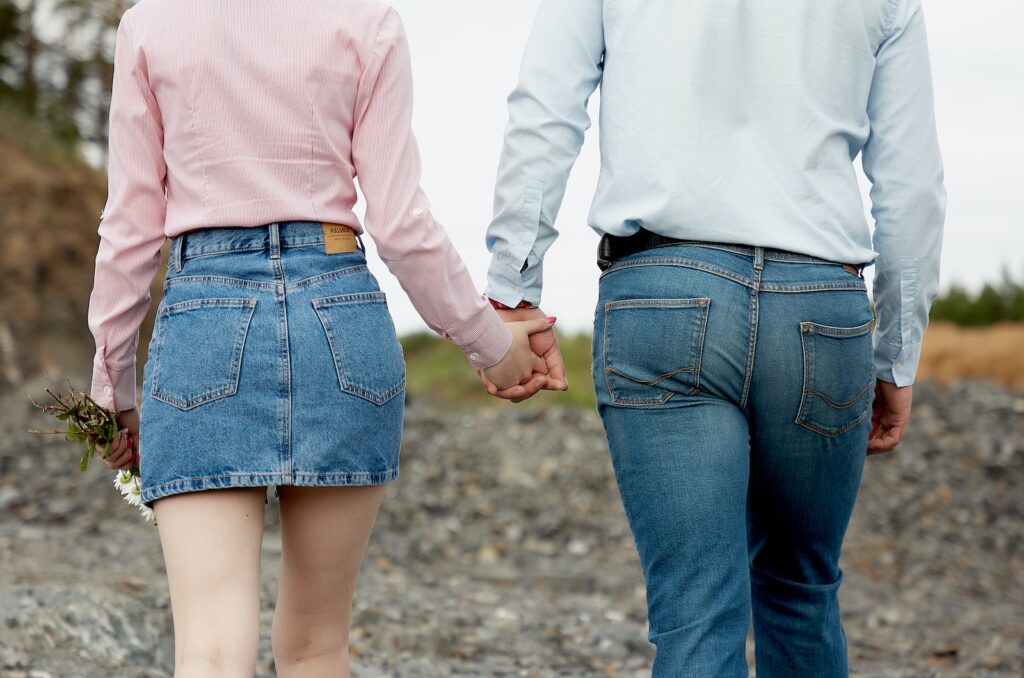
(147, 513)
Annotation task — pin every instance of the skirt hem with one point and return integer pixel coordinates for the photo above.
(229, 480)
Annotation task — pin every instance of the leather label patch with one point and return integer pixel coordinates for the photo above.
(339, 238)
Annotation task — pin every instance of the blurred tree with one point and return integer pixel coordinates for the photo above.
(999, 302)
(56, 63)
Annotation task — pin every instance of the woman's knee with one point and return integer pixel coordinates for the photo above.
(300, 643)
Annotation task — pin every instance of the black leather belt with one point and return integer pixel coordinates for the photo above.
(614, 247)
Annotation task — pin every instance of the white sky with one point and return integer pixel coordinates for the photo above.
(466, 57)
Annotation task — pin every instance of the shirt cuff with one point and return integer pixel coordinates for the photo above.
(511, 287)
(113, 389)
(900, 371)
(490, 343)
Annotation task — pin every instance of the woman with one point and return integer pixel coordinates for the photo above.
(733, 355)
(238, 132)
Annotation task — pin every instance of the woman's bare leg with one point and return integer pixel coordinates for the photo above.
(324, 533)
(211, 542)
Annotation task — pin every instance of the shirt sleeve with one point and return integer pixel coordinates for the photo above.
(908, 200)
(131, 227)
(410, 241)
(561, 68)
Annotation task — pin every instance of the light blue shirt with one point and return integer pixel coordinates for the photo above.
(734, 122)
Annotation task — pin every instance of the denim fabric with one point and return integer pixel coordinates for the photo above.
(271, 362)
(735, 385)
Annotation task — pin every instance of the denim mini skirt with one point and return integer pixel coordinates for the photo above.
(271, 362)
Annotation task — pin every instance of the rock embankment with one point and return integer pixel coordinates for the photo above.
(503, 551)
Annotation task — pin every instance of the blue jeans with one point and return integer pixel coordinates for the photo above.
(735, 385)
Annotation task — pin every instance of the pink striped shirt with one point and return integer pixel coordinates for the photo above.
(230, 114)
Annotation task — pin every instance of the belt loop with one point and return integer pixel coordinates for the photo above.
(758, 258)
(275, 240)
(176, 252)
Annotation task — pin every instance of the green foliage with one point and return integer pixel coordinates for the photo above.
(87, 423)
(1000, 302)
(437, 370)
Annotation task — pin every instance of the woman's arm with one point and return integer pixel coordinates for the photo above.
(131, 226)
(414, 246)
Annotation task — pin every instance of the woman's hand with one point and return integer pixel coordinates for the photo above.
(124, 452)
(544, 344)
(520, 365)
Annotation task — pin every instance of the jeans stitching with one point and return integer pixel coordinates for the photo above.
(702, 303)
(337, 353)
(327, 277)
(676, 261)
(237, 349)
(808, 328)
(221, 279)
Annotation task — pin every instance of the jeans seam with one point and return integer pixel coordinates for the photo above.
(754, 318)
(284, 363)
(221, 279)
(326, 277)
(684, 263)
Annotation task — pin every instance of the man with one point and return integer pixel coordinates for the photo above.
(733, 355)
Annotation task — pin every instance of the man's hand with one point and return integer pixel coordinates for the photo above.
(890, 416)
(520, 364)
(543, 344)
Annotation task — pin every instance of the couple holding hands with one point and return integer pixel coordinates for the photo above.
(742, 373)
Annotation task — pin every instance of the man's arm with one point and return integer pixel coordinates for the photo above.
(902, 160)
(561, 68)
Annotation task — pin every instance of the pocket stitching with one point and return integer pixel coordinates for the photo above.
(337, 353)
(835, 333)
(237, 349)
(696, 302)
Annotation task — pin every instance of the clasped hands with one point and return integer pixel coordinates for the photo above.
(533, 363)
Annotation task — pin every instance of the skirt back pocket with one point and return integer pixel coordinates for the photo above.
(367, 356)
(198, 350)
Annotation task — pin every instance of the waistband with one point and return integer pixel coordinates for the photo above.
(225, 239)
(765, 253)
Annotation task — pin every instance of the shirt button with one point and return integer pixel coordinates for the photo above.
(107, 390)
(417, 212)
(474, 356)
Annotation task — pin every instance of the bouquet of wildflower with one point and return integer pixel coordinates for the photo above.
(95, 427)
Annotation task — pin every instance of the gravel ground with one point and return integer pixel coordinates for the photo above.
(512, 557)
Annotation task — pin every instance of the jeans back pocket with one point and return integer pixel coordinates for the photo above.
(364, 345)
(198, 350)
(838, 377)
(653, 348)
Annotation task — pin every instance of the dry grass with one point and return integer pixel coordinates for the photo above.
(996, 352)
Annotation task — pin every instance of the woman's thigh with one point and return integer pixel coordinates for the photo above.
(211, 543)
(324, 535)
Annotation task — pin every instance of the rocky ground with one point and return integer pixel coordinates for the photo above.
(511, 556)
